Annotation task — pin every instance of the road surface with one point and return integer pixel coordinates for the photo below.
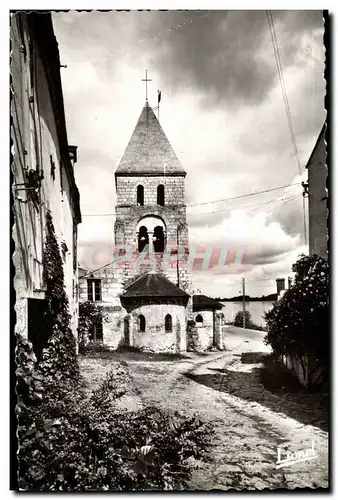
(250, 422)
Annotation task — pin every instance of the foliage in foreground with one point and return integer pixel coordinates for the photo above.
(69, 443)
(72, 444)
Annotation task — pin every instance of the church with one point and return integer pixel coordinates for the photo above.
(146, 291)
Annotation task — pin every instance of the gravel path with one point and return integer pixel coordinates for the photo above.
(249, 421)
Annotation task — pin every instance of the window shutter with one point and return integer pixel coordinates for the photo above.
(90, 289)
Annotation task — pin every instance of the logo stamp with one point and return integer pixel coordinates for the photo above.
(286, 458)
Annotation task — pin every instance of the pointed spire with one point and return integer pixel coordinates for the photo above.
(148, 150)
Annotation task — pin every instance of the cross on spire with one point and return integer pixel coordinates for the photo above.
(146, 79)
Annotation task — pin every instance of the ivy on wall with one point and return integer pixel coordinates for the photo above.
(59, 360)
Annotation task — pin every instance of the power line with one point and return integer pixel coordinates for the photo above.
(94, 270)
(286, 102)
(284, 203)
(243, 195)
(239, 208)
(282, 84)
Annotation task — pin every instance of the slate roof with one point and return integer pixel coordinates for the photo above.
(149, 151)
(153, 285)
(202, 301)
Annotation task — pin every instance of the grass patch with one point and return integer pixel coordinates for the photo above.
(133, 354)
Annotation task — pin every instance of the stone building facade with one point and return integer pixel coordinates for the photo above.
(317, 192)
(43, 171)
(146, 292)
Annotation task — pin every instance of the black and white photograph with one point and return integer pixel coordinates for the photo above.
(169, 248)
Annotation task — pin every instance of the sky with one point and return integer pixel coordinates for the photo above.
(223, 112)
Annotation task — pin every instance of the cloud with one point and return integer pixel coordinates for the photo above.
(222, 110)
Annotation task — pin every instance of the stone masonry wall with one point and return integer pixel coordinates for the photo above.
(36, 145)
(173, 214)
(318, 212)
(155, 338)
(205, 330)
(126, 189)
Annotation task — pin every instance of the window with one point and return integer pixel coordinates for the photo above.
(168, 323)
(52, 167)
(97, 331)
(160, 195)
(140, 195)
(143, 238)
(141, 323)
(199, 319)
(94, 290)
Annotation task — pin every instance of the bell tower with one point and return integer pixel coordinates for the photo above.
(150, 208)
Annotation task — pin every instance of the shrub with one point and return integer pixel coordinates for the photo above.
(298, 324)
(95, 447)
(239, 318)
(248, 321)
(89, 314)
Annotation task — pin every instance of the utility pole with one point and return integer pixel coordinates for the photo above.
(243, 288)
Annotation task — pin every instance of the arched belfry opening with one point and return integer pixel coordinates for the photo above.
(160, 195)
(143, 238)
(151, 230)
(158, 239)
(140, 195)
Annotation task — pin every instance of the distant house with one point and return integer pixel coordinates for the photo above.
(317, 174)
(43, 176)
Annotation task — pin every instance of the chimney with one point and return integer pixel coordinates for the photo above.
(280, 285)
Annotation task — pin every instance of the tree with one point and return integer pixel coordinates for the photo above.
(298, 324)
(239, 319)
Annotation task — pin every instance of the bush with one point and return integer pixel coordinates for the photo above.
(89, 314)
(298, 324)
(248, 322)
(94, 447)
